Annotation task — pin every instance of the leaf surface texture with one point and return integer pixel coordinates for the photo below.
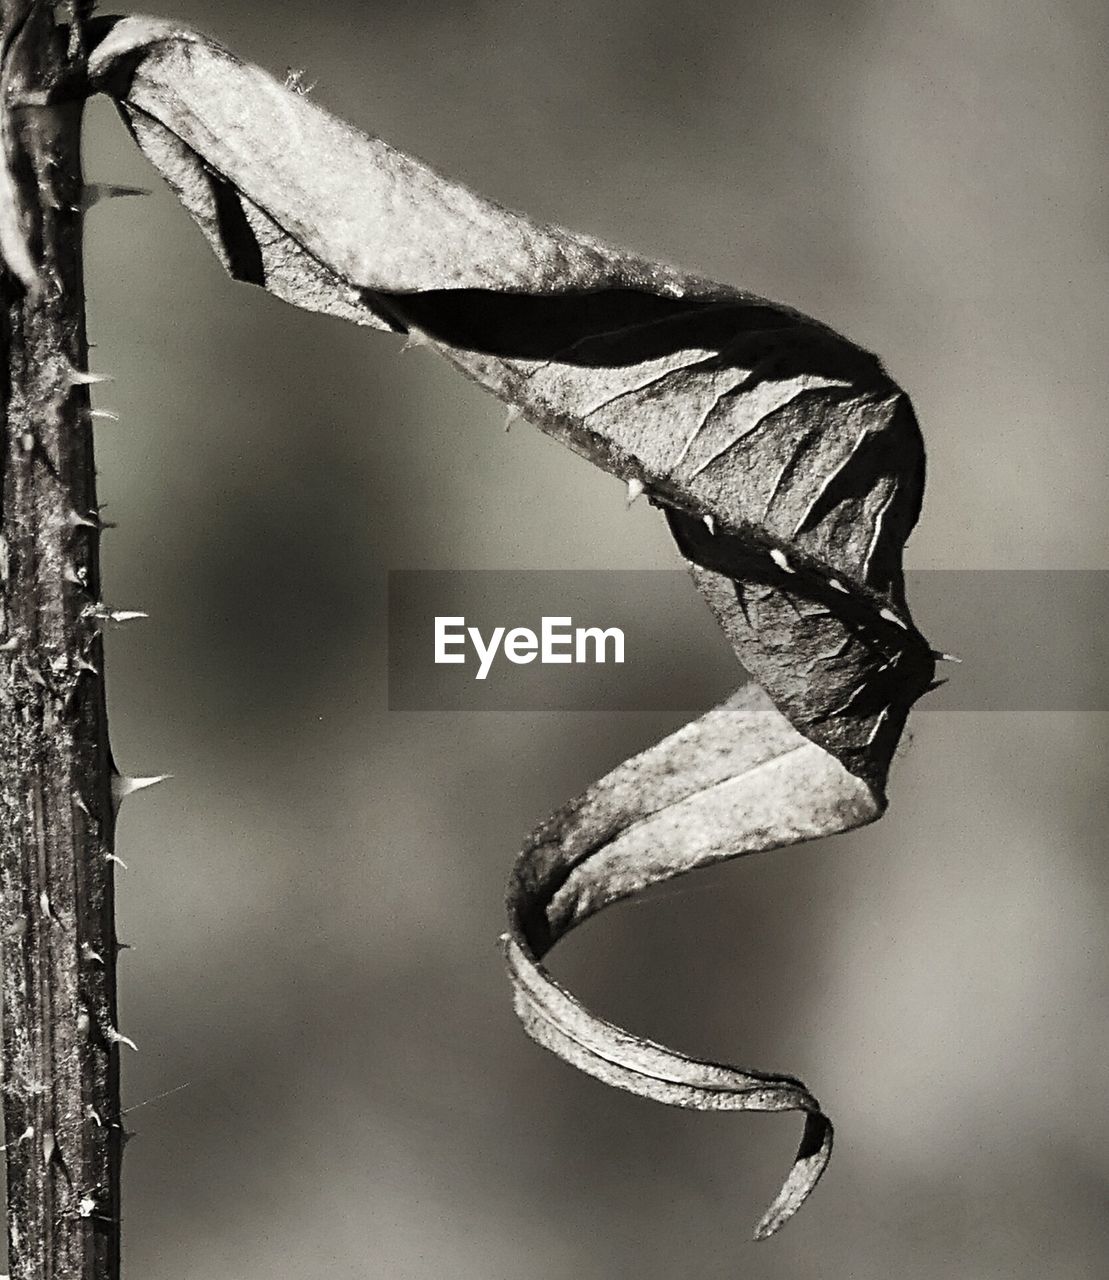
(789, 466)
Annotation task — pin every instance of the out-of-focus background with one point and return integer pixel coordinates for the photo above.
(314, 901)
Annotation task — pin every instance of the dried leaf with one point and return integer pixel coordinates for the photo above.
(15, 248)
(789, 466)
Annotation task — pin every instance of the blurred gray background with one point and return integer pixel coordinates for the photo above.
(314, 901)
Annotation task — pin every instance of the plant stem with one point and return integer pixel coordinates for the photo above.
(57, 929)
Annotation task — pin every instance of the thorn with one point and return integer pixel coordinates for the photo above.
(85, 377)
(93, 192)
(92, 1114)
(90, 954)
(79, 803)
(83, 1024)
(836, 585)
(122, 787)
(92, 521)
(49, 1146)
(890, 616)
(105, 415)
(710, 524)
(125, 1135)
(944, 657)
(877, 725)
(83, 664)
(25, 1136)
(513, 415)
(935, 684)
(100, 610)
(87, 1207)
(116, 1037)
(122, 946)
(112, 857)
(414, 338)
(44, 905)
(779, 558)
(636, 488)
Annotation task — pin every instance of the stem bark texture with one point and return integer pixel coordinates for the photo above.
(57, 932)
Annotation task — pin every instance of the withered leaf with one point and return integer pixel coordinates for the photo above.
(788, 464)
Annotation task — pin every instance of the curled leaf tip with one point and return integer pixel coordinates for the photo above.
(812, 1159)
(738, 780)
(789, 466)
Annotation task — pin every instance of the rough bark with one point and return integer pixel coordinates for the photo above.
(60, 1044)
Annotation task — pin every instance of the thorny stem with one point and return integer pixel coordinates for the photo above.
(57, 932)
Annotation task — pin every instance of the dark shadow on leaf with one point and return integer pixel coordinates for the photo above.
(244, 254)
(624, 327)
